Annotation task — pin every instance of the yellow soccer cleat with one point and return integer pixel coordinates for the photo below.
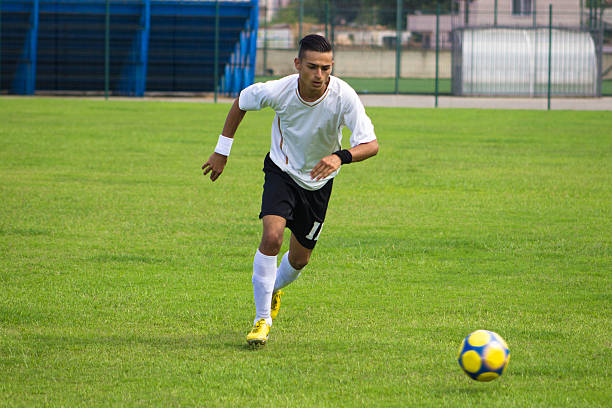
(259, 333)
(276, 296)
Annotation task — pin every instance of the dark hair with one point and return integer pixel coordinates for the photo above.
(314, 42)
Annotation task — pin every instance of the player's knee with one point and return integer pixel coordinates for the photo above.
(299, 261)
(271, 243)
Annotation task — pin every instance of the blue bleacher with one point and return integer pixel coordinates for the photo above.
(155, 45)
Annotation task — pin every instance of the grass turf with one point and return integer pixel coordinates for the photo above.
(125, 274)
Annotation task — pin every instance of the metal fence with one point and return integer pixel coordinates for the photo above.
(481, 47)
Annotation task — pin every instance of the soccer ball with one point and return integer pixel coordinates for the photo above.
(483, 355)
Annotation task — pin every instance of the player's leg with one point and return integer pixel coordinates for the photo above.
(276, 208)
(264, 265)
(309, 215)
(289, 270)
(292, 264)
(306, 225)
(264, 275)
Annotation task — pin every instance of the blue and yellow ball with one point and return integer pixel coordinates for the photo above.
(483, 355)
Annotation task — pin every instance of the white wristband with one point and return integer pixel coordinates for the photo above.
(224, 145)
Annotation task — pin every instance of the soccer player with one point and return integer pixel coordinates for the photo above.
(305, 155)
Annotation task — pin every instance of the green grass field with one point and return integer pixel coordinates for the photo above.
(405, 85)
(126, 275)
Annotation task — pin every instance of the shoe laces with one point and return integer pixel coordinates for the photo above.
(260, 324)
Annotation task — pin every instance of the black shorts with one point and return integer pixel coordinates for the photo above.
(303, 209)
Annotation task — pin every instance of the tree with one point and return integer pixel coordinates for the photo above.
(357, 12)
(341, 11)
(387, 8)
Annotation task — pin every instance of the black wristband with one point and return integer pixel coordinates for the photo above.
(345, 156)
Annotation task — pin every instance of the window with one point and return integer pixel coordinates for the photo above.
(521, 7)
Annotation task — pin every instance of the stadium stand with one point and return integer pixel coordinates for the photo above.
(153, 45)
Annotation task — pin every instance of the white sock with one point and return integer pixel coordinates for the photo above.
(285, 273)
(264, 273)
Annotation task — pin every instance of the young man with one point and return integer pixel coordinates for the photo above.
(305, 155)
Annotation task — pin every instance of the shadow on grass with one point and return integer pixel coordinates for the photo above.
(228, 341)
(468, 389)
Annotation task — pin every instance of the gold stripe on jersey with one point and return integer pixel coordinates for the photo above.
(281, 141)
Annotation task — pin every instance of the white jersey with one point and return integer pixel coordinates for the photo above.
(305, 132)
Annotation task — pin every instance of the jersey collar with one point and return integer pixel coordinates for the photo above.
(314, 103)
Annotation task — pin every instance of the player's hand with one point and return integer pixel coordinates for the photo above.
(325, 167)
(215, 165)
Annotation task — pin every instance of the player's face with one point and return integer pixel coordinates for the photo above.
(314, 69)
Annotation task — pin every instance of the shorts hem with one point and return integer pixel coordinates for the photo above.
(264, 213)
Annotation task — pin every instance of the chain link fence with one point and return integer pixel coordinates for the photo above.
(481, 47)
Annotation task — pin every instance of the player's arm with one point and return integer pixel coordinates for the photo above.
(217, 161)
(364, 151)
(331, 163)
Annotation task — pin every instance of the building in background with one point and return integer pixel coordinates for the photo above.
(278, 36)
(269, 8)
(512, 13)
(495, 13)
(423, 27)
